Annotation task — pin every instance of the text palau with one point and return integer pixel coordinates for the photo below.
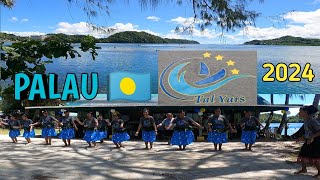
(46, 87)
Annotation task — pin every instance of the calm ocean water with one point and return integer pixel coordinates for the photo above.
(143, 59)
(293, 127)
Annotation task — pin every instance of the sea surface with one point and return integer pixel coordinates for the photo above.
(292, 127)
(143, 58)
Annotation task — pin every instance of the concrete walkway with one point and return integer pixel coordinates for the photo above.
(269, 160)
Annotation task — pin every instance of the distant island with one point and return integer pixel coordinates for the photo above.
(286, 41)
(121, 37)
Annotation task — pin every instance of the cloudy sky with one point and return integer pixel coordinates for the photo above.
(278, 18)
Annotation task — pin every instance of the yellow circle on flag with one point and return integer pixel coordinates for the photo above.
(127, 86)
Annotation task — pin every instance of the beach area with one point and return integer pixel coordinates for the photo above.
(268, 160)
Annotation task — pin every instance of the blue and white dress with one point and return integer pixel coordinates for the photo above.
(182, 134)
(249, 133)
(91, 134)
(47, 126)
(67, 128)
(119, 134)
(219, 125)
(102, 129)
(26, 129)
(148, 131)
(13, 133)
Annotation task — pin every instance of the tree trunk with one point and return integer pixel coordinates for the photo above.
(268, 122)
(316, 100)
(284, 117)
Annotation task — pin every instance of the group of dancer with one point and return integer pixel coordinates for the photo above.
(218, 125)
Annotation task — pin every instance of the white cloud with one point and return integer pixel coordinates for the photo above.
(25, 34)
(13, 19)
(302, 24)
(153, 18)
(184, 21)
(24, 20)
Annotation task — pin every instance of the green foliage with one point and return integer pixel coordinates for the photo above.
(121, 37)
(225, 14)
(7, 3)
(277, 118)
(30, 57)
(10, 37)
(141, 37)
(286, 40)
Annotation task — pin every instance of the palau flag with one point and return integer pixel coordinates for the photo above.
(129, 86)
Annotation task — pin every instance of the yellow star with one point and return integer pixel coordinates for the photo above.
(235, 71)
(219, 58)
(206, 55)
(230, 63)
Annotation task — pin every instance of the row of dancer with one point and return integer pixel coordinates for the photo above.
(218, 124)
(96, 129)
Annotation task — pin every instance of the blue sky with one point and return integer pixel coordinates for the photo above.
(35, 17)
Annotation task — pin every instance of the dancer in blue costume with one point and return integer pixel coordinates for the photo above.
(91, 125)
(47, 123)
(102, 127)
(218, 125)
(28, 131)
(149, 129)
(14, 126)
(250, 125)
(119, 133)
(182, 134)
(68, 127)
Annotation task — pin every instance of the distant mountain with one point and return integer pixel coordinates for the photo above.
(10, 37)
(121, 37)
(142, 37)
(286, 41)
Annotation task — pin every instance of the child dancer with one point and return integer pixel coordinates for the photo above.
(68, 127)
(28, 131)
(217, 129)
(182, 134)
(14, 126)
(102, 127)
(310, 151)
(164, 125)
(250, 126)
(149, 129)
(119, 134)
(91, 124)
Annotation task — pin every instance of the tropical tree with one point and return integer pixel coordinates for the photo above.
(268, 122)
(228, 15)
(284, 119)
(30, 57)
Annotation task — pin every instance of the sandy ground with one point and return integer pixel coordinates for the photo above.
(268, 160)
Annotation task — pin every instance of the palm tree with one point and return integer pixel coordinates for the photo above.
(271, 114)
(316, 100)
(284, 119)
